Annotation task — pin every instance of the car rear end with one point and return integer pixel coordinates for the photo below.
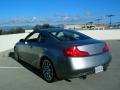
(86, 59)
(82, 57)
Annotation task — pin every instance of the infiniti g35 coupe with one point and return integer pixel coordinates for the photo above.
(63, 53)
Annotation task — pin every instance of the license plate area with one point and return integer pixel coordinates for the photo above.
(99, 69)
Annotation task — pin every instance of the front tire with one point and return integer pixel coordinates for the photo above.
(16, 55)
(48, 71)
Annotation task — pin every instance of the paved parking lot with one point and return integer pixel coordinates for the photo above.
(21, 76)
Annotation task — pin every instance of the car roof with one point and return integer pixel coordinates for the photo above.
(51, 30)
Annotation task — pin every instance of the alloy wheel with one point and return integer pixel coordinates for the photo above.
(48, 71)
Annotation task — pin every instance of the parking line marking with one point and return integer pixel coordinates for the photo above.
(11, 67)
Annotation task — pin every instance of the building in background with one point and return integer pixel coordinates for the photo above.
(86, 26)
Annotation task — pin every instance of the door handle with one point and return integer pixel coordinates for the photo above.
(26, 42)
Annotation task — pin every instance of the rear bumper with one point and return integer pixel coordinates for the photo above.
(75, 67)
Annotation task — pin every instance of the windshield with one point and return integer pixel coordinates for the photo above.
(67, 35)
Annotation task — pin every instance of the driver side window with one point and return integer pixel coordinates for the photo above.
(33, 37)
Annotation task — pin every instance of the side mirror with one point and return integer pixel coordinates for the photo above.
(21, 40)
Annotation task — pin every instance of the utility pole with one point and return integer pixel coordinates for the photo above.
(110, 16)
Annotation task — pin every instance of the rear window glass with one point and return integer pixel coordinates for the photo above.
(68, 35)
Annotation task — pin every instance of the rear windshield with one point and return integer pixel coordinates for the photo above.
(67, 35)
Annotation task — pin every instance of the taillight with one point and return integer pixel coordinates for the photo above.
(106, 48)
(75, 52)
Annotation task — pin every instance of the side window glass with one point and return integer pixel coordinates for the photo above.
(60, 34)
(41, 38)
(33, 37)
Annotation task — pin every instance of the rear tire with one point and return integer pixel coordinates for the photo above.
(48, 71)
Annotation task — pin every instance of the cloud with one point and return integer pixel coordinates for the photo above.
(66, 18)
(90, 14)
(55, 19)
(23, 20)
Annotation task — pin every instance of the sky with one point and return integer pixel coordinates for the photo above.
(58, 11)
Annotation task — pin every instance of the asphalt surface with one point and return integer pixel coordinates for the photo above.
(21, 76)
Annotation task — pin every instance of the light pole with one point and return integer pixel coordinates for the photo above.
(110, 16)
(98, 21)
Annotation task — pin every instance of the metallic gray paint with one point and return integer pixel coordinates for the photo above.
(65, 67)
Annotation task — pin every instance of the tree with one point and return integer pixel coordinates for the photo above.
(90, 23)
(44, 26)
(1, 31)
(19, 30)
(37, 27)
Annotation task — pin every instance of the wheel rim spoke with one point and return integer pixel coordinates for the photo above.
(47, 70)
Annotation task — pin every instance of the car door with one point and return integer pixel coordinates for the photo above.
(34, 47)
(23, 48)
(29, 42)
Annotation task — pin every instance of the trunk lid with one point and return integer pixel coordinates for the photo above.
(91, 46)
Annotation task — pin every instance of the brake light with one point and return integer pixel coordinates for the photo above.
(75, 52)
(106, 48)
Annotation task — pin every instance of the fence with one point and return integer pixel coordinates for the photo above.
(8, 41)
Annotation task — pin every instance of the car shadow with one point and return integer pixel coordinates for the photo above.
(32, 69)
(26, 65)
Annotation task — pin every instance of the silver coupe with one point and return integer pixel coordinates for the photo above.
(63, 53)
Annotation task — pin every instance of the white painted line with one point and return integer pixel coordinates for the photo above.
(11, 67)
